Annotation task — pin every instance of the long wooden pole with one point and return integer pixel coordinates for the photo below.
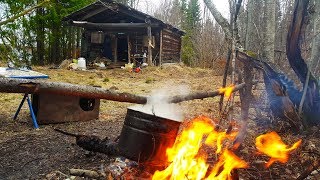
(86, 24)
(149, 46)
(161, 50)
(10, 85)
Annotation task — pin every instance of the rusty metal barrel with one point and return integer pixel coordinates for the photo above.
(145, 137)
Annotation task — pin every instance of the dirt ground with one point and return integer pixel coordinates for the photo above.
(26, 153)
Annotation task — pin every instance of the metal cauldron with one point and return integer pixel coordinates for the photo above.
(145, 137)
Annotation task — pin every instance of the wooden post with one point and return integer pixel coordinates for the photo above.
(160, 53)
(129, 49)
(180, 50)
(115, 49)
(149, 44)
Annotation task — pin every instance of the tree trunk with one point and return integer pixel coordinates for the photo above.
(246, 93)
(269, 36)
(55, 46)
(219, 18)
(40, 32)
(40, 37)
(315, 54)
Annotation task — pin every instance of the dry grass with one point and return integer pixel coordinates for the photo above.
(23, 149)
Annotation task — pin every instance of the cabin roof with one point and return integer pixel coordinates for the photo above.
(108, 11)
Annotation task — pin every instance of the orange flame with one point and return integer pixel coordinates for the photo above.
(272, 145)
(229, 161)
(227, 91)
(188, 163)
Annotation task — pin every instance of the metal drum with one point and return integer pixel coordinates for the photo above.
(145, 137)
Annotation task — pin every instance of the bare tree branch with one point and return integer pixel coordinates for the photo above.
(27, 11)
(223, 22)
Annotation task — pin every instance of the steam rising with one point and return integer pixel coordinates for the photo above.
(158, 105)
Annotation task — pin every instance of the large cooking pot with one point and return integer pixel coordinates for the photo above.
(145, 137)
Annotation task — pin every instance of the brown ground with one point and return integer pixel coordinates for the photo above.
(26, 153)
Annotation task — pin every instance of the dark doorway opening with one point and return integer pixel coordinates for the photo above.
(107, 48)
(122, 49)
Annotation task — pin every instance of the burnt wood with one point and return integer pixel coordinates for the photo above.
(94, 143)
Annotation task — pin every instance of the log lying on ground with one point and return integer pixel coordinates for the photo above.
(9, 85)
(86, 173)
(94, 143)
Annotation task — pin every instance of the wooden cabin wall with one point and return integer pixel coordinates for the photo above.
(91, 51)
(171, 47)
(139, 45)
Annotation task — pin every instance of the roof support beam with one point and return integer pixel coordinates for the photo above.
(93, 13)
(102, 26)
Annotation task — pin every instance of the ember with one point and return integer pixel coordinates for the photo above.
(272, 145)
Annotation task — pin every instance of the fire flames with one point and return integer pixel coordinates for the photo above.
(227, 91)
(189, 162)
(272, 145)
(189, 156)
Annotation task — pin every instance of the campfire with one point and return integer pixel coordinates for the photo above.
(201, 149)
(199, 142)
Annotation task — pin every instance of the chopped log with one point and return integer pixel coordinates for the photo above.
(86, 173)
(94, 143)
(10, 85)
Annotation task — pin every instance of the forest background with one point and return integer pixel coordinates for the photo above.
(40, 37)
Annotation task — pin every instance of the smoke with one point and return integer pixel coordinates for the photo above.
(158, 105)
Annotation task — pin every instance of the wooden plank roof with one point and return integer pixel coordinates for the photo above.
(108, 11)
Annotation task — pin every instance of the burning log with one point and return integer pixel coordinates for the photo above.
(35, 87)
(202, 95)
(94, 143)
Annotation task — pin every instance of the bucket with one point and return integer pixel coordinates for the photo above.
(82, 63)
(145, 137)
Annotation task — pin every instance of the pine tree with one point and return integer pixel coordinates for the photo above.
(193, 14)
(190, 25)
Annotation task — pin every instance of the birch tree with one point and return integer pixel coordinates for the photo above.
(315, 53)
(269, 36)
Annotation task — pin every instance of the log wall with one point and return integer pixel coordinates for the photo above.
(171, 46)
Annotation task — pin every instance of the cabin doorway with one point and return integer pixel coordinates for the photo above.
(122, 49)
(107, 48)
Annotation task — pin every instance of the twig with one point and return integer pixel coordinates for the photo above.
(309, 170)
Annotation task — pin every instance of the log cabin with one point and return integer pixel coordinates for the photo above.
(125, 35)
